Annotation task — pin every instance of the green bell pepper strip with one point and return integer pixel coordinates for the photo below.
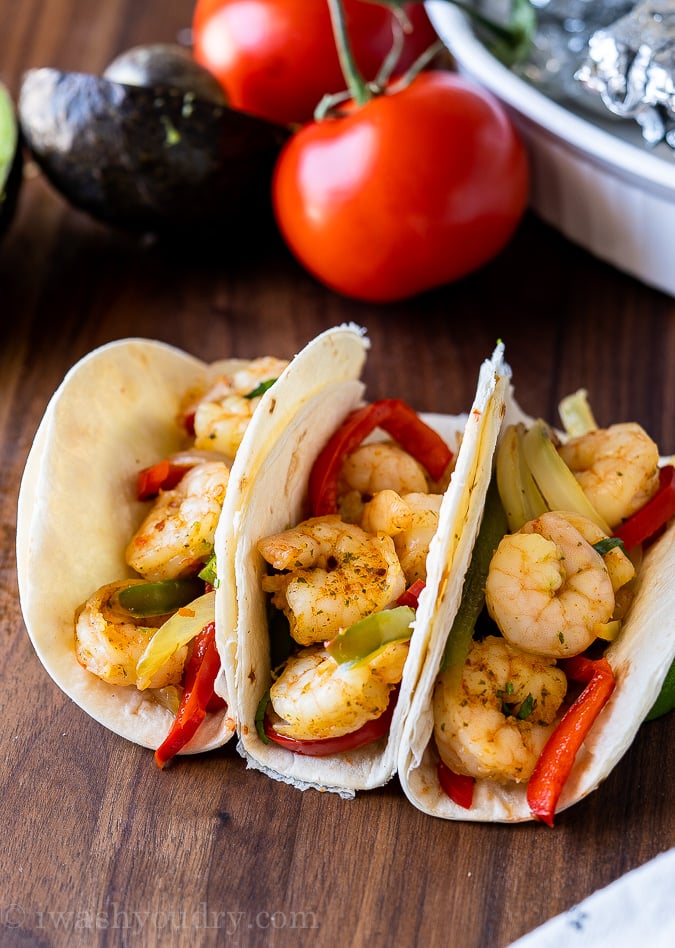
(208, 573)
(492, 529)
(666, 699)
(459, 787)
(399, 421)
(557, 758)
(260, 389)
(159, 598)
(604, 546)
(359, 643)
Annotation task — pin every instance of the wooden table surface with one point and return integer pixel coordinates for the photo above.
(100, 847)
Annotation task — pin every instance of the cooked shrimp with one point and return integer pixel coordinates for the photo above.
(411, 520)
(376, 466)
(619, 566)
(177, 535)
(386, 512)
(412, 545)
(224, 412)
(617, 468)
(317, 698)
(495, 722)
(109, 643)
(547, 589)
(337, 574)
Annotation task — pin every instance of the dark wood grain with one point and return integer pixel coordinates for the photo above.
(99, 846)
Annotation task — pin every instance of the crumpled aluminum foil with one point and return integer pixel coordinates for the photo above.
(631, 65)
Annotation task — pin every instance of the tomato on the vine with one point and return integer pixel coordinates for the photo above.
(277, 58)
(404, 193)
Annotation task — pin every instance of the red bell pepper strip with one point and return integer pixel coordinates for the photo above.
(398, 420)
(557, 758)
(458, 787)
(198, 695)
(366, 734)
(411, 597)
(188, 420)
(655, 513)
(161, 476)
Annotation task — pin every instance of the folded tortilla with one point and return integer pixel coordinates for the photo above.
(640, 658)
(114, 413)
(267, 494)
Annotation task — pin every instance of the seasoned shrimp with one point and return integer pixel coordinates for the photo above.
(386, 512)
(224, 412)
(317, 698)
(620, 568)
(177, 535)
(617, 468)
(109, 643)
(412, 545)
(547, 589)
(373, 467)
(411, 520)
(337, 574)
(494, 724)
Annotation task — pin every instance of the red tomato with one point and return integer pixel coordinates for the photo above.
(277, 58)
(408, 192)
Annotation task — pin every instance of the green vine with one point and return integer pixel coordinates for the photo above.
(509, 42)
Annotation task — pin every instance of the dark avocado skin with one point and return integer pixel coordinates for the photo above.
(10, 194)
(10, 178)
(145, 159)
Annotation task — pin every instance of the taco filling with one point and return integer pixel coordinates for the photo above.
(554, 571)
(346, 581)
(155, 631)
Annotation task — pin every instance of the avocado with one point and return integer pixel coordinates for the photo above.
(11, 159)
(147, 158)
(165, 64)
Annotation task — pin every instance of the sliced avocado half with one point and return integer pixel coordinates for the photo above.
(10, 159)
(146, 158)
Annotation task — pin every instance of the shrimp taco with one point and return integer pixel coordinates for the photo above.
(118, 511)
(537, 679)
(332, 544)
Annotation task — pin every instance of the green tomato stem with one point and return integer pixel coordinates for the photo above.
(357, 85)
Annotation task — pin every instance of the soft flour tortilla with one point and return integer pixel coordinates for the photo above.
(640, 658)
(114, 413)
(274, 500)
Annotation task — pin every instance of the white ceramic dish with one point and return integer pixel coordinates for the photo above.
(593, 181)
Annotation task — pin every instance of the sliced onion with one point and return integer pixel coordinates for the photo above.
(176, 632)
(193, 456)
(558, 485)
